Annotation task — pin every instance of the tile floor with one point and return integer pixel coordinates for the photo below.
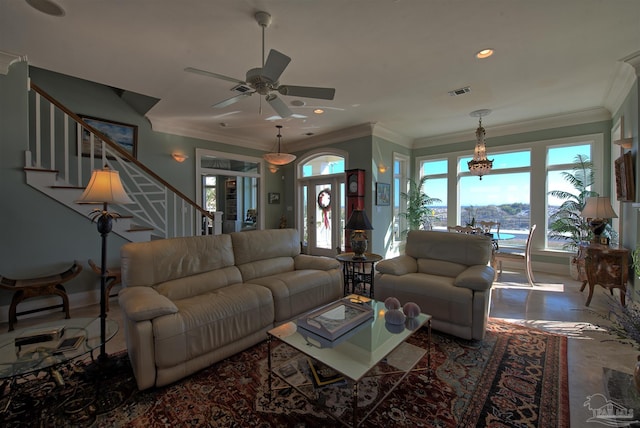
(555, 304)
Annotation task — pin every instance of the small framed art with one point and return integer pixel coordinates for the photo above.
(383, 193)
(274, 198)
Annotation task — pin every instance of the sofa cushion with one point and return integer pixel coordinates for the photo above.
(478, 278)
(398, 265)
(258, 245)
(436, 295)
(144, 303)
(267, 267)
(194, 285)
(154, 262)
(209, 321)
(298, 291)
(459, 248)
(440, 267)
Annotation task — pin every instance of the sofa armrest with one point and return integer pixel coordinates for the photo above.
(144, 303)
(477, 278)
(305, 261)
(400, 265)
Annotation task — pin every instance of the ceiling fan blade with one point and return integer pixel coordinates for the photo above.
(278, 105)
(275, 65)
(216, 75)
(231, 100)
(307, 92)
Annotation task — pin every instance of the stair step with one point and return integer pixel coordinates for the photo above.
(68, 187)
(140, 229)
(41, 170)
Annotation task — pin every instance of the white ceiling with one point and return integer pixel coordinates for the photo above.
(392, 62)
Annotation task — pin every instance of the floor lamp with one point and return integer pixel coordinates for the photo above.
(104, 188)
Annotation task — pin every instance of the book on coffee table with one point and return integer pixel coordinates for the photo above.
(322, 375)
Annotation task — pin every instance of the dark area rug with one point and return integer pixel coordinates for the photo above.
(516, 377)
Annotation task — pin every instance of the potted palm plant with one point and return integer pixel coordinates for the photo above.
(418, 214)
(567, 224)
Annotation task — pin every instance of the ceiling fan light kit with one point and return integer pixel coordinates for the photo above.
(480, 165)
(279, 158)
(265, 80)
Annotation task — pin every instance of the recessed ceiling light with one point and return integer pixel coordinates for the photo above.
(46, 6)
(484, 53)
(318, 111)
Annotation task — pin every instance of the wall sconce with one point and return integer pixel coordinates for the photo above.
(179, 157)
(382, 168)
(273, 168)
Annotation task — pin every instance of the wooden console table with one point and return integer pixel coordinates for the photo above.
(604, 265)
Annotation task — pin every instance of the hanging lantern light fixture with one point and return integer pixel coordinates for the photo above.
(480, 165)
(279, 158)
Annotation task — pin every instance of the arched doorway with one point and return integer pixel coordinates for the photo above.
(321, 202)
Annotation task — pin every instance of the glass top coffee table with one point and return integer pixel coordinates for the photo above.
(21, 360)
(354, 356)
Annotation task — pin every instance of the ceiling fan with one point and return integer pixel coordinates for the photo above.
(264, 80)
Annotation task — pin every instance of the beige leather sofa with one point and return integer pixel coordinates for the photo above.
(447, 275)
(190, 302)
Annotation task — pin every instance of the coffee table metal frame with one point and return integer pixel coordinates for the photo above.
(355, 357)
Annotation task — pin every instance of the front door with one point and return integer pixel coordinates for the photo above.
(323, 215)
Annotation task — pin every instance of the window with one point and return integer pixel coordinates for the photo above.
(502, 196)
(323, 165)
(436, 187)
(400, 175)
(515, 193)
(560, 161)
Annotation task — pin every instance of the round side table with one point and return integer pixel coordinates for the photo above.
(358, 272)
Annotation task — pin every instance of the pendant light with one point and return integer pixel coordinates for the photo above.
(279, 158)
(480, 165)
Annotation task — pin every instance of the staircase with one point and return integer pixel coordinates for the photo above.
(53, 166)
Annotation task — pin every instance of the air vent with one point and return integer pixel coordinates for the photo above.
(241, 89)
(460, 91)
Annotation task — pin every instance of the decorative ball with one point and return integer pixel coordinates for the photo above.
(411, 309)
(412, 323)
(395, 316)
(392, 303)
(394, 328)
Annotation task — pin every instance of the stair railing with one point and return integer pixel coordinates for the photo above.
(157, 204)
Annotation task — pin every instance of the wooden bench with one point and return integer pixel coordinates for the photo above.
(35, 287)
(114, 277)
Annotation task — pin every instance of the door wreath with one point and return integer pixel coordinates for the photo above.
(324, 203)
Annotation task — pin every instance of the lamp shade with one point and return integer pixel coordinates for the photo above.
(279, 158)
(104, 187)
(358, 221)
(598, 207)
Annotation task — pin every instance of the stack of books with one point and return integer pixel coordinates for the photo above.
(322, 375)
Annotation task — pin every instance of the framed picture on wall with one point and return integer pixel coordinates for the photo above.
(383, 193)
(123, 134)
(274, 198)
(625, 181)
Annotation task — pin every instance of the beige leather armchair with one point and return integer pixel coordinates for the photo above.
(447, 275)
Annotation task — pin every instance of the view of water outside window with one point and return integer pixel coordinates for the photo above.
(503, 195)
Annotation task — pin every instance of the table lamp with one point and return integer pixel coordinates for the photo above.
(597, 210)
(358, 223)
(104, 188)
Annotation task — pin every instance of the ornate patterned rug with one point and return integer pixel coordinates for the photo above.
(516, 377)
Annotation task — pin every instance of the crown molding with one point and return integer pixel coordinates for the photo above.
(392, 136)
(8, 58)
(595, 114)
(622, 81)
(189, 130)
(338, 136)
